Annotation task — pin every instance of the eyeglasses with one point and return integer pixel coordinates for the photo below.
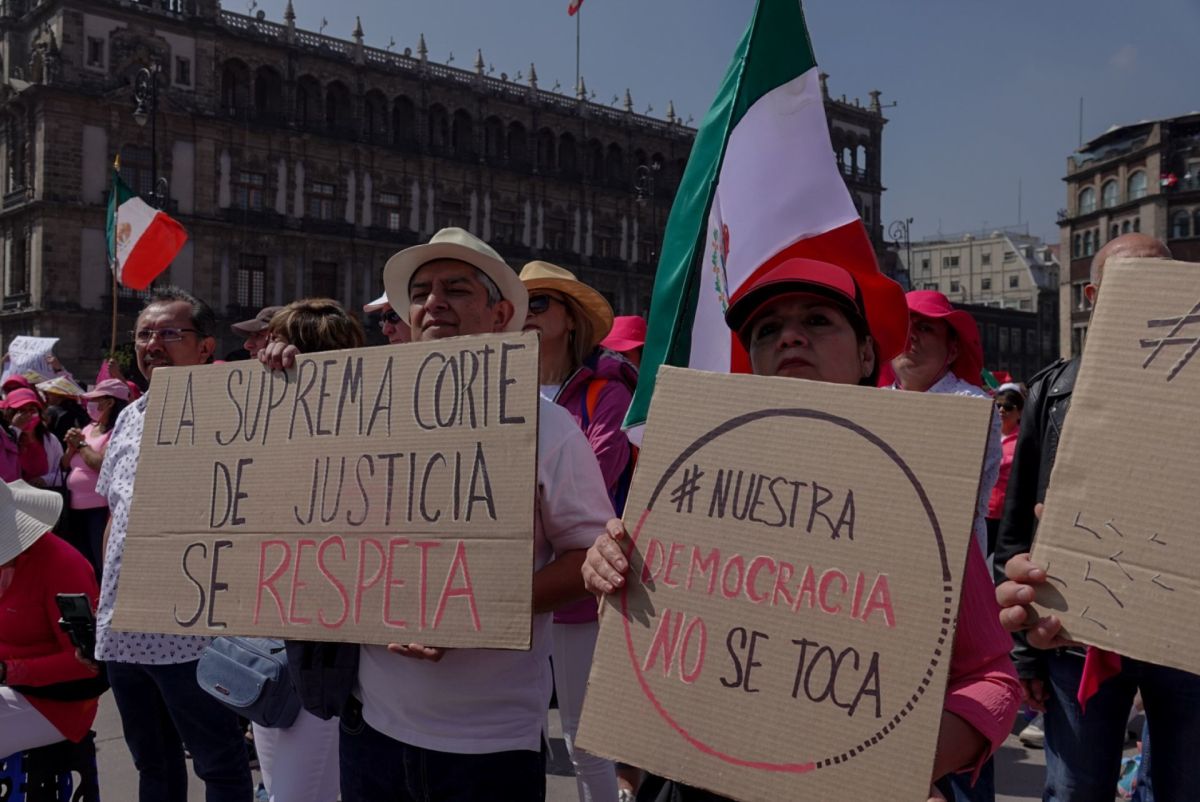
(144, 336)
(390, 317)
(540, 303)
(1004, 405)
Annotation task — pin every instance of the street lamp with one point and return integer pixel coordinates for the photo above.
(145, 92)
(899, 232)
(643, 189)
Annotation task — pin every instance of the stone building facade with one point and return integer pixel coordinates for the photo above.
(1141, 177)
(299, 163)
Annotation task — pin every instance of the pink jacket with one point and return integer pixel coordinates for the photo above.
(603, 431)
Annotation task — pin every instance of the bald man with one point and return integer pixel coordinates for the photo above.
(1083, 752)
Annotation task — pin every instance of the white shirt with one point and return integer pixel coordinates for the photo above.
(116, 484)
(950, 384)
(476, 701)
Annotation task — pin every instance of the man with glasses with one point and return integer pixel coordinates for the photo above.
(153, 676)
(394, 327)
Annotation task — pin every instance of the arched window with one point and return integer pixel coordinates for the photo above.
(1136, 186)
(308, 101)
(860, 160)
(595, 160)
(847, 160)
(1110, 196)
(404, 122)
(1181, 224)
(463, 134)
(614, 166)
(518, 145)
(1087, 200)
(568, 161)
(1196, 224)
(1077, 246)
(337, 107)
(235, 86)
(493, 139)
(375, 116)
(1088, 247)
(439, 128)
(268, 93)
(545, 150)
(1125, 227)
(1114, 232)
(1137, 224)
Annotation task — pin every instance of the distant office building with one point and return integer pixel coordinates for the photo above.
(1008, 280)
(1141, 177)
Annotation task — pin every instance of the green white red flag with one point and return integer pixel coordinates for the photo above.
(762, 185)
(142, 240)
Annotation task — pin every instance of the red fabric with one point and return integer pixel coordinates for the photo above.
(931, 303)
(155, 249)
(847, 247)
(34, 462)
(982, 688)
(36, 652)
(1008, 449)
(1098, 667)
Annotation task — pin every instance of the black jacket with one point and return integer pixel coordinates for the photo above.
(1037, 445)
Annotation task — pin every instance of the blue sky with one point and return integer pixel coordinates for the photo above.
(987, 92)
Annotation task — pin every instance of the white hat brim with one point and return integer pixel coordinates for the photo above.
(399, 270)
(376, 305)
(26, 515)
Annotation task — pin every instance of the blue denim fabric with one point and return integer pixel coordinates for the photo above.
(162, 708)
(1083, 750)
(958, 788)
(376, 768)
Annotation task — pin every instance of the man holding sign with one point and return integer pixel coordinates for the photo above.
(467, 723)
(810, 319)
(153, 675)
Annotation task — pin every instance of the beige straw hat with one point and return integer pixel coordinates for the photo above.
(545, 276)
(26, 513)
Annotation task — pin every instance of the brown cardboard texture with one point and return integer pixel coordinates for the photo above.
(1117, 536)
(370, 495)
(797, 553)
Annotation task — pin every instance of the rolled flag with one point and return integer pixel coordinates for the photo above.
(762, 185)
(573, 7)
(142, 240)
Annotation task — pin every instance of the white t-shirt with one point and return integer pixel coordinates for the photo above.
(476, 701)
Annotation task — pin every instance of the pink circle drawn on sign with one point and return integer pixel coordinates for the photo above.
(794, 768)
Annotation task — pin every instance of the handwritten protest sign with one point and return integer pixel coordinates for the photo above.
(29, 354)
(796, 564)
(373, 495)
(1118, 535)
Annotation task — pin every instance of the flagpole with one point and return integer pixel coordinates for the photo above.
(578, 14)
(112, 261)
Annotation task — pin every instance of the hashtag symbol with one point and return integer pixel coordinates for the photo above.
(686, 490)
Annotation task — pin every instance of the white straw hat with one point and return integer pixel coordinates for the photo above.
(26, 513)
(455, 243)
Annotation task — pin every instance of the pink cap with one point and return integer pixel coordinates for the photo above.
(109, 388)
(628, 332)
(20, 397)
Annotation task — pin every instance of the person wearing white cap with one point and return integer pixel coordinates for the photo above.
(466, 724)
(394, 327)
(42, 695)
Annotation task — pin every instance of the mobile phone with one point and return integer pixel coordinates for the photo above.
(78, 622)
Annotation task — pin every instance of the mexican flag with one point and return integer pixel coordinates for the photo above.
(142, 240)
(762, 185)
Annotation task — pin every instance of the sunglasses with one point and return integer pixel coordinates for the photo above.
(540, 303)
(391, 317)
(1004, 405)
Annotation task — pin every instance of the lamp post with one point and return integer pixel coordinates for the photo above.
(643, 190)
(899, 232)
(145, 92)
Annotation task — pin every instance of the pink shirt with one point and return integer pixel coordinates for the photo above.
(982, 688)
(1008, 447)
(81, 481)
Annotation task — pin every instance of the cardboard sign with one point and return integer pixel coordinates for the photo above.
(1118, 533)
(375, 495)
(29, 354)
(796, 562)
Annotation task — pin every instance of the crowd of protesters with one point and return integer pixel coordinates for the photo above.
(423, 723)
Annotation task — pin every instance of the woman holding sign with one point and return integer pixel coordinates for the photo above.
(813, 320)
